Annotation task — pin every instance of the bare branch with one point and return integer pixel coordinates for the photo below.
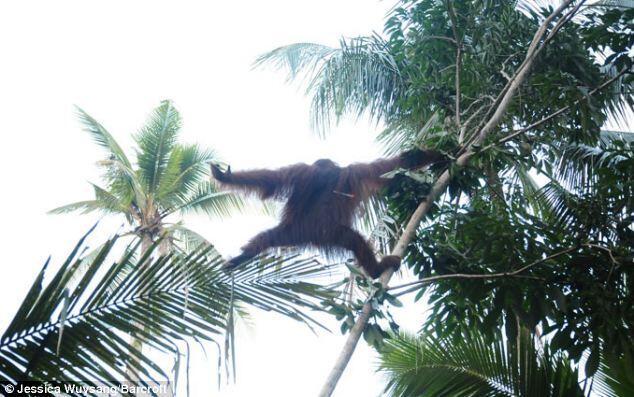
(503, 67)
(484, 276)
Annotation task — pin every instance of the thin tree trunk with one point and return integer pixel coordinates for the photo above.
(439, 187)
(357, 329)
(137, 344)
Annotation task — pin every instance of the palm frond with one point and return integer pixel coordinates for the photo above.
(155, 140)
(186, 239)
(103, 137)
(531, 190)
(297, 59)
(121, 178)
(613, 3)
(396, 137)
(559, 204)
(608, 137)
(83, 207)
(208, 199)
(614, 378)
(533, 7)
(579, 164)
(110, 201)
(357, 78)
(105, 202)
(429, 367)
(124, 183)
(473, 366)
(375, 222)
(76, 326)
(187, 167)
(620, 106)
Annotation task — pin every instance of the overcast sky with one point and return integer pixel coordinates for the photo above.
(117, 60)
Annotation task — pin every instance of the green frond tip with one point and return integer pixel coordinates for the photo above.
(83, 207)
(296, 58)
(186, 169)
(102, 137)
(155, 141)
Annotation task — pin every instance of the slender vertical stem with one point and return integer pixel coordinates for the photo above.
(137, 344)
(454, 29)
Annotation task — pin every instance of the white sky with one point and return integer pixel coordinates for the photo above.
(117, 60)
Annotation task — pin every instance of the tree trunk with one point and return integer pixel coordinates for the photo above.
(399, 249)
(137, 344)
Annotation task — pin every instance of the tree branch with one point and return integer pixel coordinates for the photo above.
(417, 287)
(501, 102)
(484, 276)
(555, 114)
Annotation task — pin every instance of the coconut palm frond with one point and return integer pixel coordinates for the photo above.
(209, 200)
(77, 326)
(102, 137)
(357, 78)
(579, 164)
(155, 140)
(474, 366)
(186, 168)
(83, 207)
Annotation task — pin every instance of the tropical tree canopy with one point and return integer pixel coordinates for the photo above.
(534, 223)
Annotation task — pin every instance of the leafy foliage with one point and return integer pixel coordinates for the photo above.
(580, 286)
(547, 190)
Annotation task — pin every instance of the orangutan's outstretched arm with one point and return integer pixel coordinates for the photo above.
(266, 183)
(410, 159)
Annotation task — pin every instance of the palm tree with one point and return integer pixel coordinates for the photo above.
(167, 178)
(487, 366)
(71, 326)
